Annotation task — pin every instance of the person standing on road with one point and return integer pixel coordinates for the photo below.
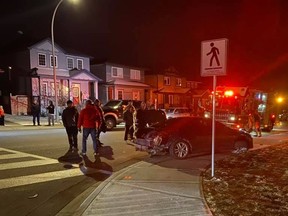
(88, 119)
(35, 111)
(257, 123)
(2, 116)
(129, 119)
(50, 109)
(70, 119)
(102, 126)
(140, 121)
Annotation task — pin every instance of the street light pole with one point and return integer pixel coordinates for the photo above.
(53, 60)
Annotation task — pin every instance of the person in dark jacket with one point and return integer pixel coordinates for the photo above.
(140, 121)
(70, 119)
(50, 109)
(35, 111)
(102, 127)
(129, 119)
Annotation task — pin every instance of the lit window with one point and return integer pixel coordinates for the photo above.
(41, 59)
(166, 80)
(135, 74)
(51, 61)
(44, 89)
(70, 63)
(117, 72)
(79, 64)
(53, 89)
(178, 82)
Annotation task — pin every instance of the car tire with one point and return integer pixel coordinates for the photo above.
(110, 123)
(179, 149)
(240, 146)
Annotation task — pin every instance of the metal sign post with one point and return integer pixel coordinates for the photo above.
(213, 63)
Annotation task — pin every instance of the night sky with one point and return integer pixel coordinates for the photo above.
(158, 34)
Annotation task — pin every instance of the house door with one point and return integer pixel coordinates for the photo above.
(136, 95)
(76, 94)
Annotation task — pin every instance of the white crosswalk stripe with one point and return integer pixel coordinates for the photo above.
(35, 160)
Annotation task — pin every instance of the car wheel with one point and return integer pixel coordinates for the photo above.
(110, 123)
(240, 146)
(179, 149)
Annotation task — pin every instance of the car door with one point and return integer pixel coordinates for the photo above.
(197, 131)
(224, 137)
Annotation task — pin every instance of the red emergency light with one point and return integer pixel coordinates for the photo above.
(228, 93)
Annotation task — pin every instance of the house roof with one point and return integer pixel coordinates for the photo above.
(120, 65)
(200, 92)
(173, 90)
(127, 83)
(75, 72)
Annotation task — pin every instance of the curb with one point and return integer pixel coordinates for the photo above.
(92, 195)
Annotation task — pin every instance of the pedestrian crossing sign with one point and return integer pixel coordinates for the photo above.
(214, 57)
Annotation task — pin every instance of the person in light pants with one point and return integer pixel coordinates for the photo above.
(50, 109)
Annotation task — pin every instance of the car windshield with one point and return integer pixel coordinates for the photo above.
(112, 104)
(169, 110)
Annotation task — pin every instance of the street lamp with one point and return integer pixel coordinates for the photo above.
(53, 58)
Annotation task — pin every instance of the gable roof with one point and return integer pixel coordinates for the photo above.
(75, 72)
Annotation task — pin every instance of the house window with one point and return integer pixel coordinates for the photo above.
(41, 59)
(166, 80)
(135, 74)
(178, 82)
(188, 84)
(117, 72)
(170, 99)
(120, 94)
(70, 63)
(44, 89)
(53, 89)
(51, 61)
(79, 64)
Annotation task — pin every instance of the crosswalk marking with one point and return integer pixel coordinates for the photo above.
(37, 161)
(39, 178)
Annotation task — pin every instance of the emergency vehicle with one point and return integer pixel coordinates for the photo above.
(234, 106)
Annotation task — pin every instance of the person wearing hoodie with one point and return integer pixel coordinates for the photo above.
(70, 120)
(89, 118)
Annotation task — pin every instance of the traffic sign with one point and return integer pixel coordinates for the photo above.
(214, 57)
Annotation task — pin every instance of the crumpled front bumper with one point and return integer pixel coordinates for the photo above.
(142, 144)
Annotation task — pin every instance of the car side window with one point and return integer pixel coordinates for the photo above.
(176, 111)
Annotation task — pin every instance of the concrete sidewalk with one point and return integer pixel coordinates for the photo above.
(156, 186)
(26, 120)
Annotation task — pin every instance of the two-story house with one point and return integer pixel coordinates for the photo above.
(120, 82)
(170, 89)
(32, 70)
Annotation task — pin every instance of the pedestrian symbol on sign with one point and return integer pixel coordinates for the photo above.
(215, 52)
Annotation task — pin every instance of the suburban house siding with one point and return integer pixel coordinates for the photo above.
(36, 81)
(120, 87)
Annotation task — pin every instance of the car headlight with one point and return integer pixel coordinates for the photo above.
(157, 140)
(232, 118)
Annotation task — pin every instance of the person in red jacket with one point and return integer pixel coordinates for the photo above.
(88, 119)
(2, 115)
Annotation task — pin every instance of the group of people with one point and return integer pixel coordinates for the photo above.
(36, 111)
(90, 121)
(133, 119)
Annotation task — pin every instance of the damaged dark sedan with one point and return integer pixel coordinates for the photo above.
(185, 136)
